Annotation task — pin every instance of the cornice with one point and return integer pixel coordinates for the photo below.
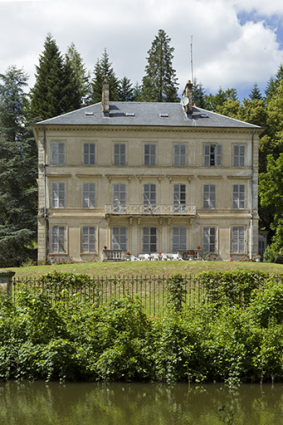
(154, 129)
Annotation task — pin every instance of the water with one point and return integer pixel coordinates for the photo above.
(39, 403)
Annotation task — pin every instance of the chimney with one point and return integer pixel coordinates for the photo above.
(105, 97)
(188, 92)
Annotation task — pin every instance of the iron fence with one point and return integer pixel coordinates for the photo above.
(99, 290)
(152, 290)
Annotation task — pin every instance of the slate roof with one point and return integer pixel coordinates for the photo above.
(146, 114)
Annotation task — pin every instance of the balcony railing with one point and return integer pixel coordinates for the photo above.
(163, 210)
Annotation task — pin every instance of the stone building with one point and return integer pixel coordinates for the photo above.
(146, 178)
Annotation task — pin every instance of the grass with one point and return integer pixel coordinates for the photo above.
(152, 268)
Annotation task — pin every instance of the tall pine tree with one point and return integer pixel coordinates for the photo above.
(103, 69)
(125, 90)
(56, 90)
(80, 73)
(18, 170)
(160, 82)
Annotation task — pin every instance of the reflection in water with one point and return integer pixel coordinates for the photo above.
(39, 403)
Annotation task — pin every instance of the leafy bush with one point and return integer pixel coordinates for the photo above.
(219, 340)
(270, 254)
(233, 287)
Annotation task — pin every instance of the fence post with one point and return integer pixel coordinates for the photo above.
(6, 281)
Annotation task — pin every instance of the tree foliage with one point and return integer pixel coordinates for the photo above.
(18, 169)
(56, 89)
(160, 81)
(80, 74)
(103, 69)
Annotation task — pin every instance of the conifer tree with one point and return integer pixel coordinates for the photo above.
(198, 94)
(125, 90)
(160, 82)
(137, 93)
(255, 94)
(55, 91)
(18, 170)
(80, 73)
(103, 69)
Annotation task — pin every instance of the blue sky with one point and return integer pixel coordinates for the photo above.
(235, 42)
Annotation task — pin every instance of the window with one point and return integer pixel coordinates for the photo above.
(119, 154)
(89, 154)
(149, 196)
(149, 240)
(119, 237)
(209, 196)
(89, 195)
(119, 196)
(58, 153)
(58, 239)
(88, 239)
(58, 195)
(239, 156)
(212, 155)
(150, 155)
(239, 195)
(179, 197)
(179, 238)
(238, 240)
(209, 239)
(179, 155)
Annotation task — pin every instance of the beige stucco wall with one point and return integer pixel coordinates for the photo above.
(135, 174)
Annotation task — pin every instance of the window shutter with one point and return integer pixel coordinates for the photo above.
(61, 195)
(242, 155)
(206, 155)
(55, 153)
(218, 155)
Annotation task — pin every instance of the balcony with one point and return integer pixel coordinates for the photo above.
(150, 210)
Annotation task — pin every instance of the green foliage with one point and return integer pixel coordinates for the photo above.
(267, 303)
(160, 83)
(18, 171)
(270, 255)
(176, 292)
(235, 342)
(103, 69)
(233, 288)
(80, 74)
(56, 90)
(125, 90)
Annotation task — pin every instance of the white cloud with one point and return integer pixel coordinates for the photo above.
(225, 52)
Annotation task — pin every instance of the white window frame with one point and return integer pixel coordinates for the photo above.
(58, 153)
(239, 196)
(179, 196)
(119, 239)
(149, 239)
(88, 235)
(212, 155)
(89, 153)
(179, 155)
(150, 154)
(58, 239)
(209, 196)
(209, 240)
(58, 195)
(239, 154)
(119, 154)
(238, 242)
(88, 195)
(179, 238)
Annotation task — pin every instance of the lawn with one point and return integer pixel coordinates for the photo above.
(157, 268)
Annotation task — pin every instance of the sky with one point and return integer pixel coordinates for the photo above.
(231, 43)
